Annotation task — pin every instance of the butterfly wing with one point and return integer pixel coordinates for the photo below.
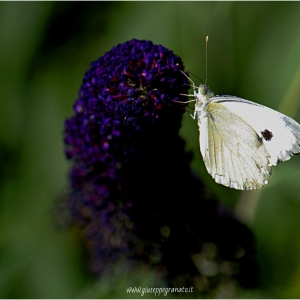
(233, 153)
(280, 134)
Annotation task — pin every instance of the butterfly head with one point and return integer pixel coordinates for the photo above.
(204, 93)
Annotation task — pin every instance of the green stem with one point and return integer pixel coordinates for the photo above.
(291, 102)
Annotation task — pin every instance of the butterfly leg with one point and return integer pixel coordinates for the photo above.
(184, 102)
(188, 95)
(190, 80)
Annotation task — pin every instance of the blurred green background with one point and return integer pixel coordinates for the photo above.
(254, 52)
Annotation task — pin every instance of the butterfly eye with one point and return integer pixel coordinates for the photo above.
(202, 90)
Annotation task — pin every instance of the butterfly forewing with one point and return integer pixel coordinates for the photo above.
(280, 134)
(233, 153)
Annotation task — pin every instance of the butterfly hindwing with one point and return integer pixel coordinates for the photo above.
(233, 153)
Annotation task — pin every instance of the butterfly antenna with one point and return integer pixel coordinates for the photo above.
(194, 75)
(206, 60)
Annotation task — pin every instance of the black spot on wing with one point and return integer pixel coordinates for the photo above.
(267, 135)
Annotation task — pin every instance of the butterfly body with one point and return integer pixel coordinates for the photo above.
(241, 140)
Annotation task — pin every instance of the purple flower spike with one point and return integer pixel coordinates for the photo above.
(132, 191)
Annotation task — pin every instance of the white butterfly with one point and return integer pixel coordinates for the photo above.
(241, 140)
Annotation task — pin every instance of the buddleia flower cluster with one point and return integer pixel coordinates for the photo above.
(132, 192)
